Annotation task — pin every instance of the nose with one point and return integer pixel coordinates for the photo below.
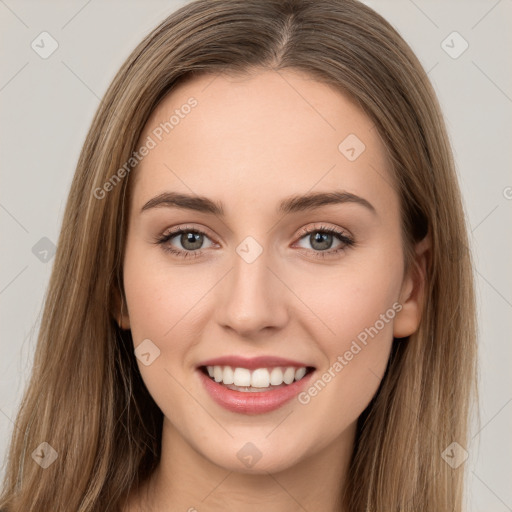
(252, 298)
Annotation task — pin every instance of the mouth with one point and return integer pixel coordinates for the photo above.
(257, 380)
(255, 390)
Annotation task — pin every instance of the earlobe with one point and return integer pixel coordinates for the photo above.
(412, 294)
(119, 311)
(123, 321)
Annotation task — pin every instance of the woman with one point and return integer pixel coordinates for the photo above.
(260, 297)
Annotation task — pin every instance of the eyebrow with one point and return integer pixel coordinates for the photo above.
(292, 204)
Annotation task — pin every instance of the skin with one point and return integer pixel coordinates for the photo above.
(249, 143)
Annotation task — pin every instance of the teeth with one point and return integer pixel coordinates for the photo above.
(228, 375)
(300, 373)
(259, 378)
(217, 373)
(289, 375)
(241, 377)
(276, 377)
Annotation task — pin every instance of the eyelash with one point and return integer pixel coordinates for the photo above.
(342, 237)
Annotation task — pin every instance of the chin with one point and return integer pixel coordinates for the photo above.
(259, 456)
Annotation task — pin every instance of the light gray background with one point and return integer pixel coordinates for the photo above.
(48, 104)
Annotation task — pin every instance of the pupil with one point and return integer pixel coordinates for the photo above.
(324, 241)
(191, 241)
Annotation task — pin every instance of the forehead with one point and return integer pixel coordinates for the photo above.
(262, 136)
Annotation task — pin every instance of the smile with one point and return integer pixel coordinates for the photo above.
(243, 379)
(260, 385)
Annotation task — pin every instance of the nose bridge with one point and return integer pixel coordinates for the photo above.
(252, 297)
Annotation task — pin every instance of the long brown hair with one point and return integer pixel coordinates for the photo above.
(86, 398)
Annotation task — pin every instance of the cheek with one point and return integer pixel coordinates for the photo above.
(162, 300)
(164, 307)
(349, 299)
(357, 306)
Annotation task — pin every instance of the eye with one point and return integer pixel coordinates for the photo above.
(321, 239)
(190, 239)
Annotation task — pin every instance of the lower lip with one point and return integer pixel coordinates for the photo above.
(257, 402)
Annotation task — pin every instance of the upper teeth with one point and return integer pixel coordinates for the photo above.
(259, 378)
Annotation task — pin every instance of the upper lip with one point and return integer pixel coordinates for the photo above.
(251, 363)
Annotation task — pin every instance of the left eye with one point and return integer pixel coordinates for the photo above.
(322, 240)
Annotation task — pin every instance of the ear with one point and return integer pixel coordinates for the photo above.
(412, 294)
(120, 311)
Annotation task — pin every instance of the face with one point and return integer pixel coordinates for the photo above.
(247, 281)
